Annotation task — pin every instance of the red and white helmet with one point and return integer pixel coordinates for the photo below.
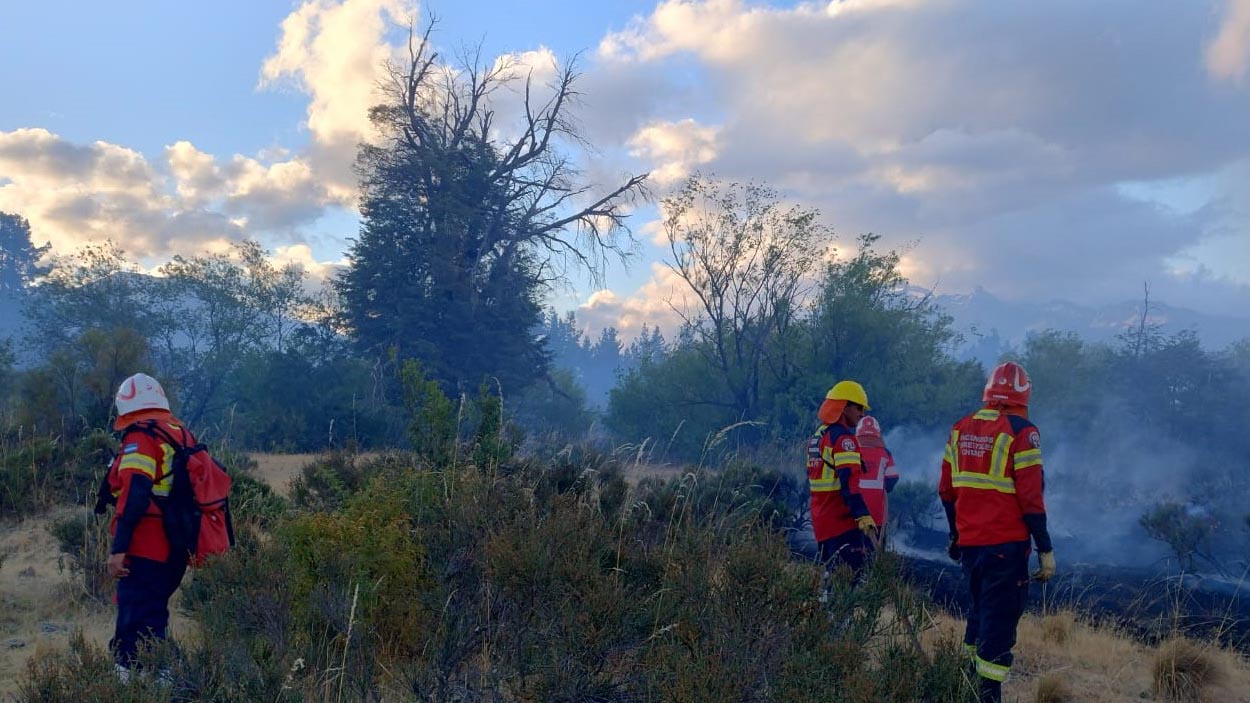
(140, 392)
(868, 431)
(1008, 385)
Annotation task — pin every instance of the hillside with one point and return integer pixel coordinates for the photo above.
(1057, 652)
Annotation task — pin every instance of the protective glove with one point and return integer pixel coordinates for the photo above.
(1046, 566)
(866, 524)
(952, 548)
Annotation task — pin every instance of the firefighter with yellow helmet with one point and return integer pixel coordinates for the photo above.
(844, 529)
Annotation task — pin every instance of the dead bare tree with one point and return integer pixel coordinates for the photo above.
(473, 212)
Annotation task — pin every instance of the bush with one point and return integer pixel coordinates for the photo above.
(1187, 532)
(254, 502)
(552, 582)
(37, 472)
(1182, 671)
(85, 545)
(914, 505)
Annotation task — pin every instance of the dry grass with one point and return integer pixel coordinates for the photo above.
(1057, 628)
(1186, 672)
(41, 604)
(1095, 664)
(1054, 688)
(278, 470)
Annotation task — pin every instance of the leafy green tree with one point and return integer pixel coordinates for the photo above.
(868, 326)
(465, 228)
(433, 428)
(863, 324)
(218, 308)
(554, 408)
(19, 258)
(745, 257)
(72, 390)
(95, 287)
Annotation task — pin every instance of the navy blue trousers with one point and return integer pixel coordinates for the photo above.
(998, 584)
(851, 548)
(143, 605)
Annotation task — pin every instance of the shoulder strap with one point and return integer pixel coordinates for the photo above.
(153, 429)
(1019, 424)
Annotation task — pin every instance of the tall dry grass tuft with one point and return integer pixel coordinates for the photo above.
(1054, 688)
(1183, 671)
(1057, 628)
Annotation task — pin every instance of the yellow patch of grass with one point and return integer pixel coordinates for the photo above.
(1057, 628)
(1096, 664)
(1054, 688)
(1185, 672)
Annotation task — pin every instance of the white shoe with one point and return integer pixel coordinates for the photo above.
(122, 673)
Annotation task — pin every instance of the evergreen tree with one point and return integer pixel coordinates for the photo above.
(19, 259)
(464, 231)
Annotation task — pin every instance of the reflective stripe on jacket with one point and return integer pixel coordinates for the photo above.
(834, 469)
(144, 455)
(992, 472)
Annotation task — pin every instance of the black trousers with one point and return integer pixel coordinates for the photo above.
(143, 605)
(851, 548)
(998, 583)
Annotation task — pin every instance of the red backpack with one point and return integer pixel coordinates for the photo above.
(196, 513)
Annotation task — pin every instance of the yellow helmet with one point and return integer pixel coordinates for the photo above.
(849, 391)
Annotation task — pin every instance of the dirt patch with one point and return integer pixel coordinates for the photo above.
(278, 470)
(41, 604)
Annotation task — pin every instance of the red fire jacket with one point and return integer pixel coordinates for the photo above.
(878, 480)
(142, 471)
(834, 470)
(992, 476)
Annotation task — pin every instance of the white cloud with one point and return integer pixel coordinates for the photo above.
(676, 148)
(302, 256)
(1228, 55)
(996, 134)
(654, 304)
(337, 53)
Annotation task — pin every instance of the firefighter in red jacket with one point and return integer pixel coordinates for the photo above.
(991, 488)
(880, 474)
(845, 531)
(140, 556)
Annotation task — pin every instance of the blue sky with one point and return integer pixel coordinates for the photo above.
(1067, 150)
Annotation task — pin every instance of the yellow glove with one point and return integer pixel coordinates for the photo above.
(866, 524)
(1046, 566)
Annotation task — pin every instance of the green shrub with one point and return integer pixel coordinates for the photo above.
(85, 544)
(1187, 532)
(554, 581)
(37, 472)
(914, 505)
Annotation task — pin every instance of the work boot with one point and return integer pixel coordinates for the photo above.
(991, 691)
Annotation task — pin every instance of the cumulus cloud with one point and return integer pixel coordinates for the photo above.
(995, 134)
(337, 53)
(1228, 55)
(186, 200)
(655, 304)
(676, 148)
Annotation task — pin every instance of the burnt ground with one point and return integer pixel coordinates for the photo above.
(1148, 604)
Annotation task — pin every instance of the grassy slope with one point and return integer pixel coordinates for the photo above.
(1057, 652)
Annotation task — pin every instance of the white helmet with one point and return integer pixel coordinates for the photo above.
(140, 392)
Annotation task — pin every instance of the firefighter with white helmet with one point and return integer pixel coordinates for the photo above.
(148, 571)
